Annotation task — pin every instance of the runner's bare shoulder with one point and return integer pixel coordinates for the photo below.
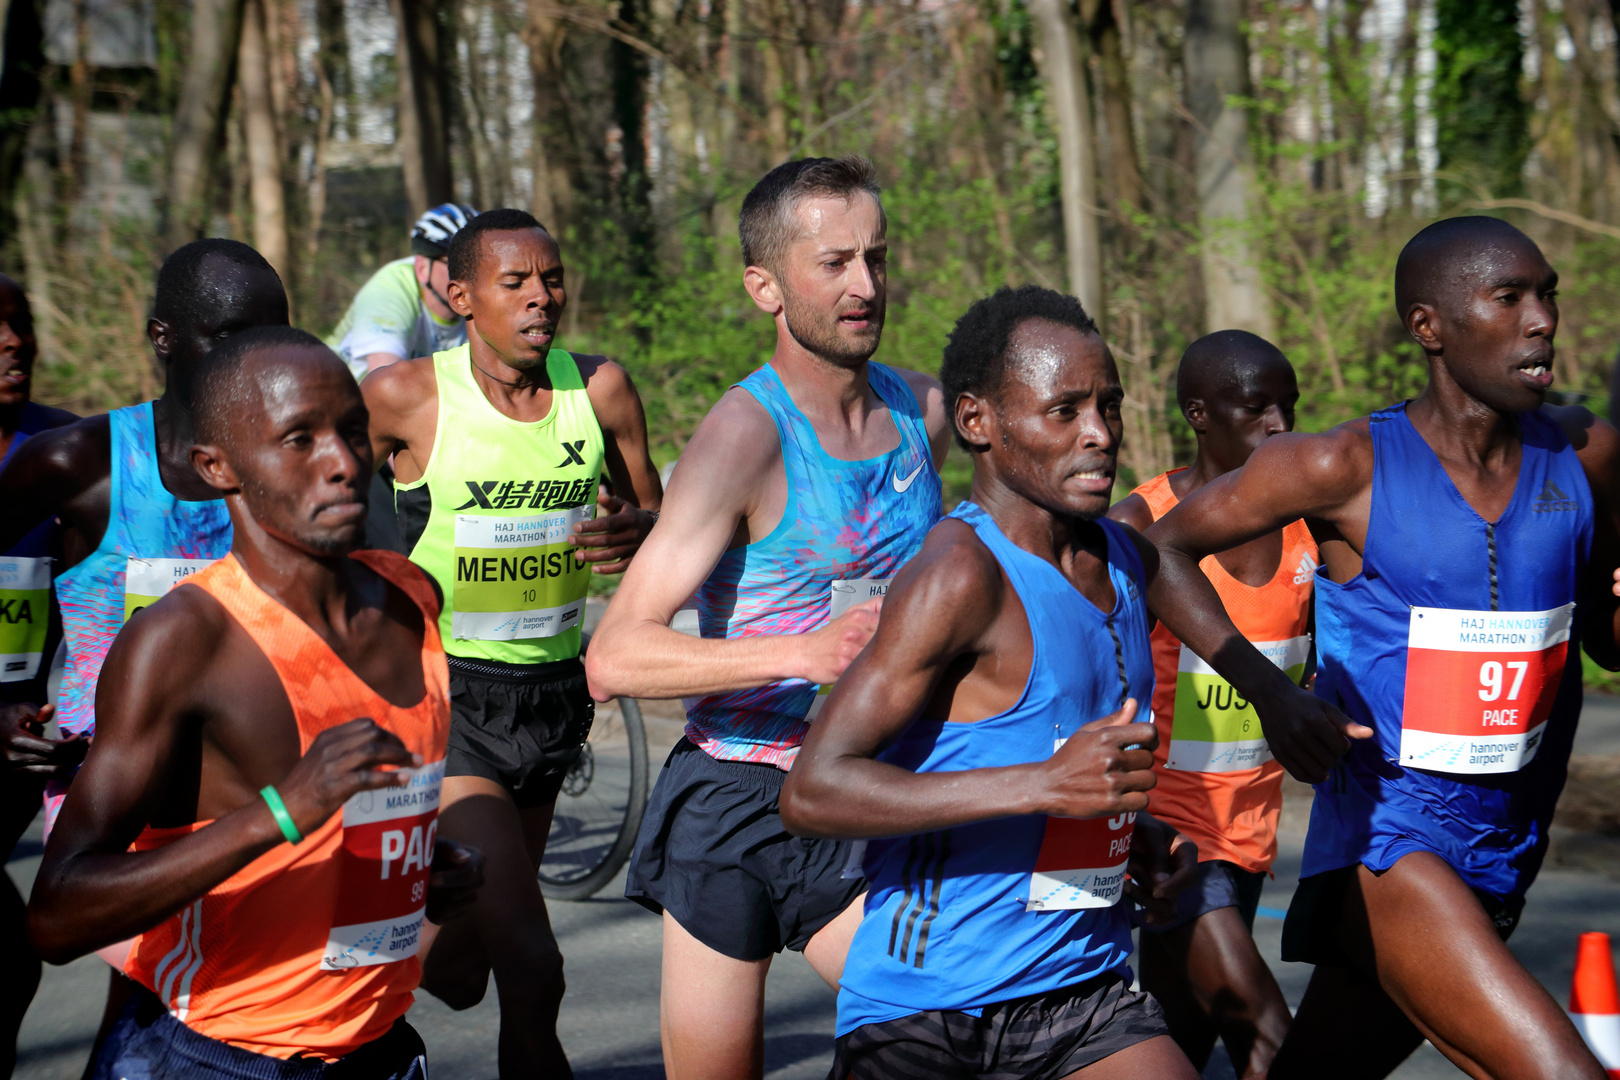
(951, 591)
(63, 461)
(610, 388)
(737, 443)
(1323, 470)
(166, 648)
(401, 388)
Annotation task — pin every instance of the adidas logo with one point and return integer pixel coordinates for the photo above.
(1551, 498)
(1306, 571)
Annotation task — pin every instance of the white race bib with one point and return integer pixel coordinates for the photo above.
(845, 595)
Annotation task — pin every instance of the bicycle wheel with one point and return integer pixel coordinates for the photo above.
(599, 809)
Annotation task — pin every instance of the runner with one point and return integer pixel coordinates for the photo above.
(400, 313)
(802, 492)
(123, 486)
(1458, 532)
(499, 447)
(1217, 784)
(992, 709)
(29, 633)
(404, 310)
(278, 900)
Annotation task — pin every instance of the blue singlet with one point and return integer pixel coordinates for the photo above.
(1490, 774)
(985, 913)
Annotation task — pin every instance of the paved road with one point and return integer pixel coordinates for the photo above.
(609, 1020)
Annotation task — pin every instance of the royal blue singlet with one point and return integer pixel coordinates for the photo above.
(25, 590)
(984, 913)
(1457, 643)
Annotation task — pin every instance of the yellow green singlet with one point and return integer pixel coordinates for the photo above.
(491, 515)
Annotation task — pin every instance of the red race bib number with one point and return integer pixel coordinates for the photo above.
(1479, 687)
(1081, 863)
(386, 856)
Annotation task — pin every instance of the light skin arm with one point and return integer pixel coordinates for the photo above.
(718, 484)
(1287, 478)
(91, 890)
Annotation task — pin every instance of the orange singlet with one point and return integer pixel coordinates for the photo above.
(1218, 783)
(311, 948)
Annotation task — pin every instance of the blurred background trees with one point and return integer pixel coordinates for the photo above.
(1182, 165)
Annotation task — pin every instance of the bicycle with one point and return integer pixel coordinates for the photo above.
(599, 810)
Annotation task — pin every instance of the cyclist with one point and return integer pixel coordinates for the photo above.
(402, 311)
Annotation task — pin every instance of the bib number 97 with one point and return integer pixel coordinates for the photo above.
(1490, 678)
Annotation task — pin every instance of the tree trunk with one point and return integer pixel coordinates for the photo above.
(424, 129)
(1217, 62)
(216, 27)
(1109, 49)
(1063, 70)
(262, 147)
(551, 199)
(630, 112)
(23, 52)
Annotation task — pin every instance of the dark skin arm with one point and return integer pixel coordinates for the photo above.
(191, 723)
(404, 403)
(1326, 479)
(65, 473)
(953, 641)
(1597, 444)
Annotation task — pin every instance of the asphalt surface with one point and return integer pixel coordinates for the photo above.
(609, 1022)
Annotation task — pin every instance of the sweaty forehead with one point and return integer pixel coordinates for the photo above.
(514, 249)
(282, 381)
(1052, 359)
(834, 221)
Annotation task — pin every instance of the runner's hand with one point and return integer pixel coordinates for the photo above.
(454, 881)
(831, 649)
(1163, 863)
(613, 535)
(27, 750)
(1306, 734)
(343, 761)
(1103, 769)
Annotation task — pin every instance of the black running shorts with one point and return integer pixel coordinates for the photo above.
(1219, 884)
(520, 725)
(713, 853)
(1042, 1037)
(1311, 931)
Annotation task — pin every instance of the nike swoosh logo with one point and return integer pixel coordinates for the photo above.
(901, 485)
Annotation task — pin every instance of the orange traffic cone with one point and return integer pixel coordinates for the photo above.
(1594, 1001)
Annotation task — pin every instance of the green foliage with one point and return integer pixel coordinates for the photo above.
(1486, 131)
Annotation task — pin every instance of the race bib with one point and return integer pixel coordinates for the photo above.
(1082, 861)
(518, 577)
(25, 614)
(148, 580)
(845, 595)
(1479, 687)
(1213, 729)
(383, 874)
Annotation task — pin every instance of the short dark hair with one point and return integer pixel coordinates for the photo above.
(975, 359)
(182, 294)
(766, 225)
(219, 385)
(1440, 254)
(467, 246)
(1216, 360)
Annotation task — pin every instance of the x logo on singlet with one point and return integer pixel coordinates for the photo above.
(574, 457)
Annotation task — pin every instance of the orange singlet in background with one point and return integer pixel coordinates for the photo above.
(311, 948)
(1217, 782)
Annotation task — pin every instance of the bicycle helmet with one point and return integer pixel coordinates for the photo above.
(431, 236)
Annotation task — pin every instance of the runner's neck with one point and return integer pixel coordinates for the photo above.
(172, 429)
(524, 394)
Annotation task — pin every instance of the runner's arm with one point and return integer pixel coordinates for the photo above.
(936, 421)
(721, 479)
(377, 360)
(56, 473)
(942, 611)
(91, 890)
(1287, 478)
(401, 399)
(1597, 444)
(627, 516)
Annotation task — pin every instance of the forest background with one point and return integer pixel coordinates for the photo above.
(1180, 165)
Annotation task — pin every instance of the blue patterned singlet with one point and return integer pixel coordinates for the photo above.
(984, 913)
(1458, 645)
(849, 524)
(151, 535)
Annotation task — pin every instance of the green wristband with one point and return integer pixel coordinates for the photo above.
(278, 810)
